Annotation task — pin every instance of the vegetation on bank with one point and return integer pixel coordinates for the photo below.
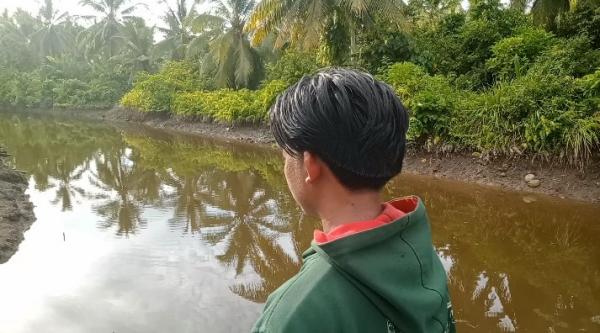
(514, 79)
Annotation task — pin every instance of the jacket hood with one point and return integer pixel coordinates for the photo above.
(397, 269)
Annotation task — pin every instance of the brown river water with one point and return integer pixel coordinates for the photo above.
(145, 231)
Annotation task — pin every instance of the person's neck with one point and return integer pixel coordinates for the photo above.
(349, 207)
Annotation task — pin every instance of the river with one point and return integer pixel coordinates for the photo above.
(140, 230)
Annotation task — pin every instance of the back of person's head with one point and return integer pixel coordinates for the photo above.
(353, 122)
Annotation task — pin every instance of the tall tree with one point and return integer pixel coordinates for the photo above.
(16, 49)
(546, 12)
(177, 31)
(307, 24)
(108, 24)
(237, 63)
(50, 37)
(138, 41)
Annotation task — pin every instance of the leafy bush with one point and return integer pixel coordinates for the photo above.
(229, 106)
(557, 118)
(574, 56)
(266, 96)
(381, 45)
(583, 21)
(291, 67)
(512, 56)
(431, 100)
(223, 105)
(155, 93)
(526, 116)
(52, 86)
(437, 46)
(22, 89)
(459, 45)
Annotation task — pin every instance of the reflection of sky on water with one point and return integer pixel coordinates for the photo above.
(96, 282)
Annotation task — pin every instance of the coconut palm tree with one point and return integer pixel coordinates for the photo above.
(50, 38)
(108, 24)
(205, 28)
(177, 32)
(307, 24)
(138, 41)
(237, 64)
(546, 11)
(16, 49)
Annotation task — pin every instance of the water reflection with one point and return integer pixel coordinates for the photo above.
(514, 265)
(116, 178)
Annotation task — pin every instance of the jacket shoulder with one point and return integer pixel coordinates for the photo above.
(310, 301)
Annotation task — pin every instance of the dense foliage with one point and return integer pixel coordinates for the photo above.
(498, 79)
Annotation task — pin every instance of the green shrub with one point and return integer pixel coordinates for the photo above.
(430, 99)
(383, 43)
(524, 116)
(583, 21)
(589, 85)
(459, 45)
(227, 106)
(574, 56)
(406, 78)
(155, 93)
(22, 89)
(438, 45)
(267, 95)
(512, 56)
(291, 67)
(231, 106)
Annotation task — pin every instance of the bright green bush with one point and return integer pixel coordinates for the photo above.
(266, 96)
(21, 89)
(50, 86)
(229, 106)
(590, 85)
(406, 78)
(223, 105)
(155, 93)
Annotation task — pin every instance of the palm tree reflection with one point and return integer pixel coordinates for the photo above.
(192, 191)
(117, 172)
(245, 219)
(66, 190)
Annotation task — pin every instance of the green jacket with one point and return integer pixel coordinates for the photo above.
(387, 279)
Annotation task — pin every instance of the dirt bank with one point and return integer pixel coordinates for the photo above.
(16, 211)
(506, 174)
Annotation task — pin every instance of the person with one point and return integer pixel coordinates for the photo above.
(373, 267)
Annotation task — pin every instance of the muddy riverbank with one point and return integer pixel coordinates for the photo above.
(511, 174)
(16, 211)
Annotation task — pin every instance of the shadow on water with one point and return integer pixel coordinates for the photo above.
(517, 262)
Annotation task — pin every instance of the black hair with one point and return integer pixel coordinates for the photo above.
(355, 123)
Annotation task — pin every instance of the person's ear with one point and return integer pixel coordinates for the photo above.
(313, 167)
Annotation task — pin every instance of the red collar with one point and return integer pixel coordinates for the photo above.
(391, 211)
